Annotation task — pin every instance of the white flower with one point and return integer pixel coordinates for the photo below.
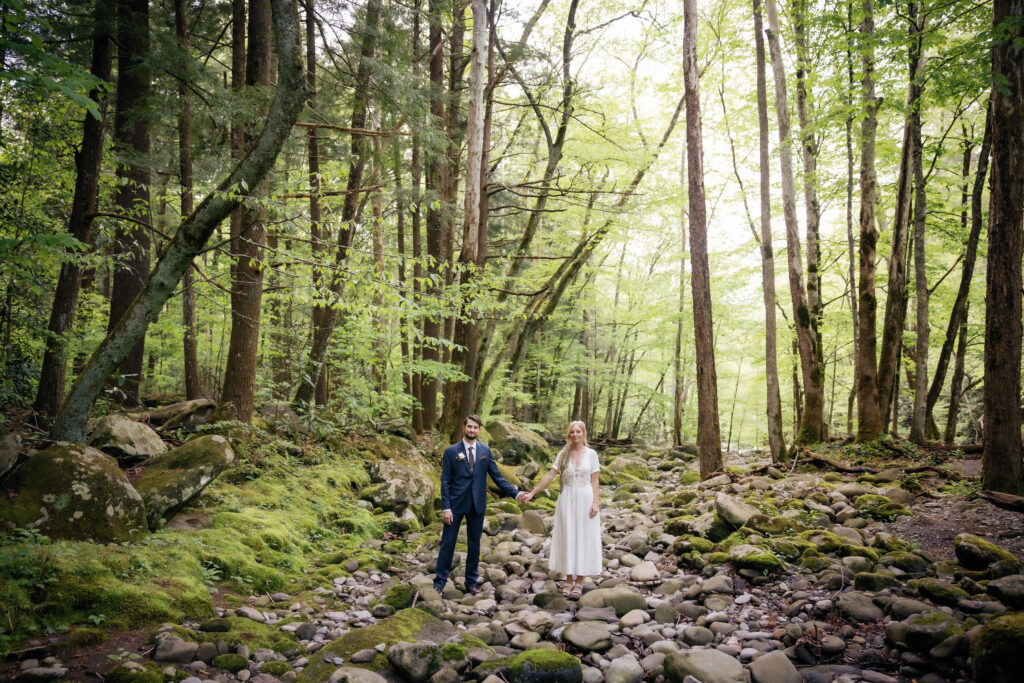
(462, 456)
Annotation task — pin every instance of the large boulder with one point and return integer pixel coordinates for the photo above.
(75, 492)
(123, 438)
(974, 552)
(10, 449)
(996, 649)
(733, 511)
(517, 444)
(186, 414)
(172, 480)
(704, 665)
(402, 479)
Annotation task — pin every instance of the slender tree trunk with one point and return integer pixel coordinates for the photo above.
(1001, 462)
(957, 381)
(131, 142)
(192, 234)
(812, 373)
(958, 316)
(358, 153)
(193, 386)
(88, 159)
(417, 249)
(709, 439)
(677, 365)
(869, 416)
(238, 393)
(851, 244)
(732, 408)
(776, 442)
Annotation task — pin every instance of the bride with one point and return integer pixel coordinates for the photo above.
(576, 540)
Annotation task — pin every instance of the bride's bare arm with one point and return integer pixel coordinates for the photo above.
(594, 482)
(543, 483)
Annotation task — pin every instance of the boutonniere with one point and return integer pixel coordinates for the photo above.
(462, 456)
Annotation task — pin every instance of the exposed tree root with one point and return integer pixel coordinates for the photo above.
(1003, 500)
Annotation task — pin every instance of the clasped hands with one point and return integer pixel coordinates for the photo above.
(524, 496)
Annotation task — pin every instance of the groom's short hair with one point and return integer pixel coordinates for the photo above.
(475, 418)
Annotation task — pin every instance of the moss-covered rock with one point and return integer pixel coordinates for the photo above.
(875, 581)
(409, 625)
(402, 479)
(938, 590)
(974, 552)
(74, 492)
(85, 637)
(912, 563)
(125, 440)
(186, 415)
(879, 507)
(122, 674)
(400, 596)
(230, 662)
(534, 666)
(995, 650)
(925, 631)
(173, 479)
(276, 668)
(746, 556)
(517, 444)
(773, 526)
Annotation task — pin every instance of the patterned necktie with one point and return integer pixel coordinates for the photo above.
(472, 460)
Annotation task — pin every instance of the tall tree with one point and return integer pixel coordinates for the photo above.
(194, 231)
(89, 157)
(869, 417)
(709, 439)
(1001, 462)
(190, 345)
(917, 19)
(812, 421)
(776, 441)
(131, 142)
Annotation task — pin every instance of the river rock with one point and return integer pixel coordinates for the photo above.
(352, 674)
(858, 607)
(925, 631)
(74, 492)
(402, 480)
(517, 444)
(974, 552)
(175, 650)
(704, 665)
(645, 572)
(126, 440)
(172, 480)
(622, 597)
(624, 670)
(1008, 590)
(589, 636)
(995, 650)
(733, 511)
(415, 661)
(532, 521)
(746, 556)
(10, 449)
(774, 667)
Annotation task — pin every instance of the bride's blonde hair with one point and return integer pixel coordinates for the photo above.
(563, 455)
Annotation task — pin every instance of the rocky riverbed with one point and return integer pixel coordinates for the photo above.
(775, 578)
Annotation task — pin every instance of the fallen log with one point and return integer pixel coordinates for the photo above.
(1007, 501)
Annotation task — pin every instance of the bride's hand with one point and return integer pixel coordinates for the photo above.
(593, 510)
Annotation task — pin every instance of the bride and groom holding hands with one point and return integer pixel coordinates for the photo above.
(576, 537)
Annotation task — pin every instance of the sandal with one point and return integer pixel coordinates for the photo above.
(567, 590)
(577, 591)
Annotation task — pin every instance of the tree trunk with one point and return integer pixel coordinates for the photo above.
(958, 316)
(238, 393)
(917, 421)
(776, 441)
(416, 351)
(1001, 462)
(850, 242)
(131, 142)
(677, 364)
(869, 416)
(812, 373)
(190, 346)
(193, 232)
(957, 381)
(358, 152)
(50, 392)
(709, 439)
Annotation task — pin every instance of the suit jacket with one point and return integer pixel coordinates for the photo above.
(464, 492)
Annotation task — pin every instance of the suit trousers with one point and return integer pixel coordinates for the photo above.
(450, 533)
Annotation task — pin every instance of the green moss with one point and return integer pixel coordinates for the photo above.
(785, 548)
(119, 674)
(689, 478)
(243, 631)
(406, 625)
(995, 650)
(879, 507)
(938, 590)
(717, 558)
(276, 668)
(230, 662)
(400, 596)
(452, 652)
(773, 525)
(677, 526)
(546, 665)
(84, 637)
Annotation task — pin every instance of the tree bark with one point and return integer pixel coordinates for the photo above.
(358, 152)
(917, 422)
(131, 142)
(958, 316)
(709, 439)
(851, 244)
(869, 416)
(50, 392)
(194, 231)
(776, 441)
(238, 393)
(416, 350)
(1001, 462)
(957, 381)
(190, 346)
(811, 369)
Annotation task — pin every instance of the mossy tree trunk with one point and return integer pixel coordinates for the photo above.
(194, 231)
(1001, 462)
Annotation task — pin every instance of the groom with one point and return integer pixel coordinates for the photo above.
(464, 469)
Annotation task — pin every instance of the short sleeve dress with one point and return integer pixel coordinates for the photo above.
(576, 539)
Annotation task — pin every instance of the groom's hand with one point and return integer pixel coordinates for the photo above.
(522, 496)
(448, 517)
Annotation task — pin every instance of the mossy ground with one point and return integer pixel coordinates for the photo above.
(243, 631)
(282, 518)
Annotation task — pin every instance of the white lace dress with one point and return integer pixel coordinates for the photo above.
(576, 539)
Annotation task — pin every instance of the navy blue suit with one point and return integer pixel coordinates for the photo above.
(464, 492)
